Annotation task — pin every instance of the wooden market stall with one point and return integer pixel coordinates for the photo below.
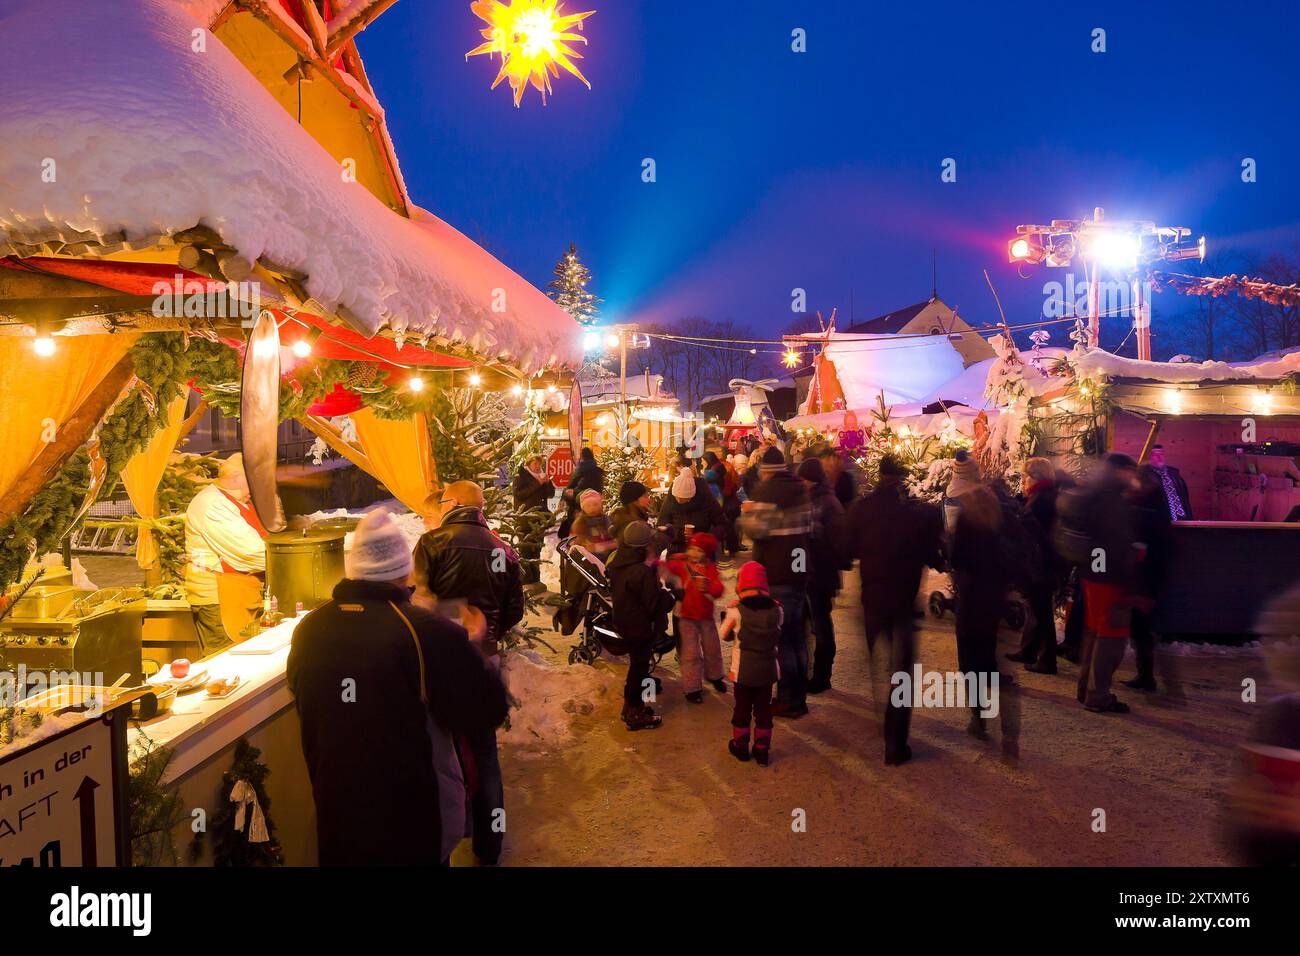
(239, 182)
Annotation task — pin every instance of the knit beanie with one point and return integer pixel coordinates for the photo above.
(638, 534)
(705, 542)
(810, 469)
(684, 485)
(772, 460)
(965, 475)
(631, 491)
(752, 579)
(378, 551)
(590, 502)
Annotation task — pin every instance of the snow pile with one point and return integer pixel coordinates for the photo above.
(1274, 365)
(162, 138)
(549, 697)
(25, 735)
(410, 524)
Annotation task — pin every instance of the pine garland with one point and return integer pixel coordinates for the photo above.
(154, 810)
(230, 847)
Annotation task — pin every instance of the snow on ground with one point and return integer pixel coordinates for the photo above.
(549, 696)
(674, 796)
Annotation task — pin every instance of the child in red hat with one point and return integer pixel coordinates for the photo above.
(754, 622)
(697, 629)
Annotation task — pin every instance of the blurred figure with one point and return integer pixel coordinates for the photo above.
(532, 491)
(893, 537)
(1096, 534)
(1263, 817)
(838, 478)
(464, 564)
(1152, 527)
(980, 573)
(1038, 515)
(777, 520)
(731, 501)
(633, 505)
(824, 571)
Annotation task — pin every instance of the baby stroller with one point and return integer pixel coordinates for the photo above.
(589, 607)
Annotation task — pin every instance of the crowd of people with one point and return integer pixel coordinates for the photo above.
(397, 678)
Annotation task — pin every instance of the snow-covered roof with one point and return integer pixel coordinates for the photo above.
(910, 414)
(1271, 366)
(165, 139)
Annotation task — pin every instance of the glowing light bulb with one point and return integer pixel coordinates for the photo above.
(302, 348)
(415, 384)
(475, 380)
(1176, 402)
(551, 389)
(611, 340)
(43, 346)
(516, 390)
(791, 358)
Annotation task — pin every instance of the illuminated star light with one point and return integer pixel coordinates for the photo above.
(531, 37)
(791, 358)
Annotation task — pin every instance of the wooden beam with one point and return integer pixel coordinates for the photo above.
(334, 438)
(316, 27)
(72, 434)
(340, 35)
(1151, 440)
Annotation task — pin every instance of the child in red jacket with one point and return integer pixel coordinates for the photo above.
(697, 629)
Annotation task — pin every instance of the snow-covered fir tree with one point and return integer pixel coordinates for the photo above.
(569, 288)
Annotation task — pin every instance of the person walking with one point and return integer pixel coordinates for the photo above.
(980, 573)
(824, 570)
(1152, 526)
(893, 537)
(753, 621)
(641, 605)
(381, 686)
(697, 626)
(1037, 516)
(838, 478)
(463, 562)
(532, 491)
(777, 519)
(1101, 517)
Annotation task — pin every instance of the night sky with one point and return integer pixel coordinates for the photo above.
(821, 170)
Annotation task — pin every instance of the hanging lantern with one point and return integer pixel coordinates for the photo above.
(531, 38)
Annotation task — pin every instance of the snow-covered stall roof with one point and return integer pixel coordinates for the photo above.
(905, 368)
(918, 422)
(165, 139)
(1271, 366)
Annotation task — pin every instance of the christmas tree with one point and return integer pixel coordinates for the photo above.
(569, 288)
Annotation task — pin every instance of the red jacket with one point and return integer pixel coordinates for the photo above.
(702, 585)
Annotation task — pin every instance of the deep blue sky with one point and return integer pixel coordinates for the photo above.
(821, 170)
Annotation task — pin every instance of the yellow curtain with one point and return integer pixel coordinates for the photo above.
(145, 470)
(399, 455)
(38, 394)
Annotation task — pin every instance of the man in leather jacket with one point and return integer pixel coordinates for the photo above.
(464, 562)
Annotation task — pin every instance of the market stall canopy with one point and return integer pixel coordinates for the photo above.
(1271, 366)
(167, 139)
(904, 368)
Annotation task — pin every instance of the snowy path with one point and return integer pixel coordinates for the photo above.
(676, 797)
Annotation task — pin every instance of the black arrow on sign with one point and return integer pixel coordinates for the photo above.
(85, 795)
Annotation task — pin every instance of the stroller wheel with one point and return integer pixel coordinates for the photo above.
(937, 603)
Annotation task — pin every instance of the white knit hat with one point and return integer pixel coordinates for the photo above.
(684, 484)
(378, 551)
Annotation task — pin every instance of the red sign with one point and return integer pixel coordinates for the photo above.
(559, 466)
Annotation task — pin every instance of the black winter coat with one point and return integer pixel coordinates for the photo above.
(826, 563)
(893, 537)
(779, 523)
(641, 603)
(702, 511)
(529, 493)
(369, 757)
(464, 558)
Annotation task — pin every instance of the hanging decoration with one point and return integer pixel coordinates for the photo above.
(1270, 292)
(532, 40)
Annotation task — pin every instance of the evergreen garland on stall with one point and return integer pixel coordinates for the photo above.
(154, 810)
(231, 846)
(161, 363)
